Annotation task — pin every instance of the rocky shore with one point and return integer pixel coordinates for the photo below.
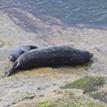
(32, 87)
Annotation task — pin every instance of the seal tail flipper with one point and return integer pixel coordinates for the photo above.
(12, 69)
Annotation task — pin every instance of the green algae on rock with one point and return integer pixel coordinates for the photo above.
(87, 83)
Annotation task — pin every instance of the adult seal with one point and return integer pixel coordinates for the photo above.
(17, 51)
(50, 56)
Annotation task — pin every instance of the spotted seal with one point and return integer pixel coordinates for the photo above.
(50, 56)
(17, 51)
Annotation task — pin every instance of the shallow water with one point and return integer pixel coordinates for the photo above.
(76, 12)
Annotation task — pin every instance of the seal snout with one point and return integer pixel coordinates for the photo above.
(91, 55)
(87, 56)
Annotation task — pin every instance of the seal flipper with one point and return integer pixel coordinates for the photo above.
(33, 47)
(12, 68)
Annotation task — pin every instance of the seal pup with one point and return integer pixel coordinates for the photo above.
(49, 57)
(17, 51)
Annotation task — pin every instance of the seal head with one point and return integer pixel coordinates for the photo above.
(16, 52)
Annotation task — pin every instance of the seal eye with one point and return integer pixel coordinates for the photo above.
(12, 58)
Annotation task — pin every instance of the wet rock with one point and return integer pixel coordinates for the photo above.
(102, 96)
(41, 95)
(102, 49)
(2, 44)
(39, 88)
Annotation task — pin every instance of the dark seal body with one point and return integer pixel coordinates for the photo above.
(50, 56)
(17, 51)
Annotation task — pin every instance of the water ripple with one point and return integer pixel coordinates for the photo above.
(92, 12)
